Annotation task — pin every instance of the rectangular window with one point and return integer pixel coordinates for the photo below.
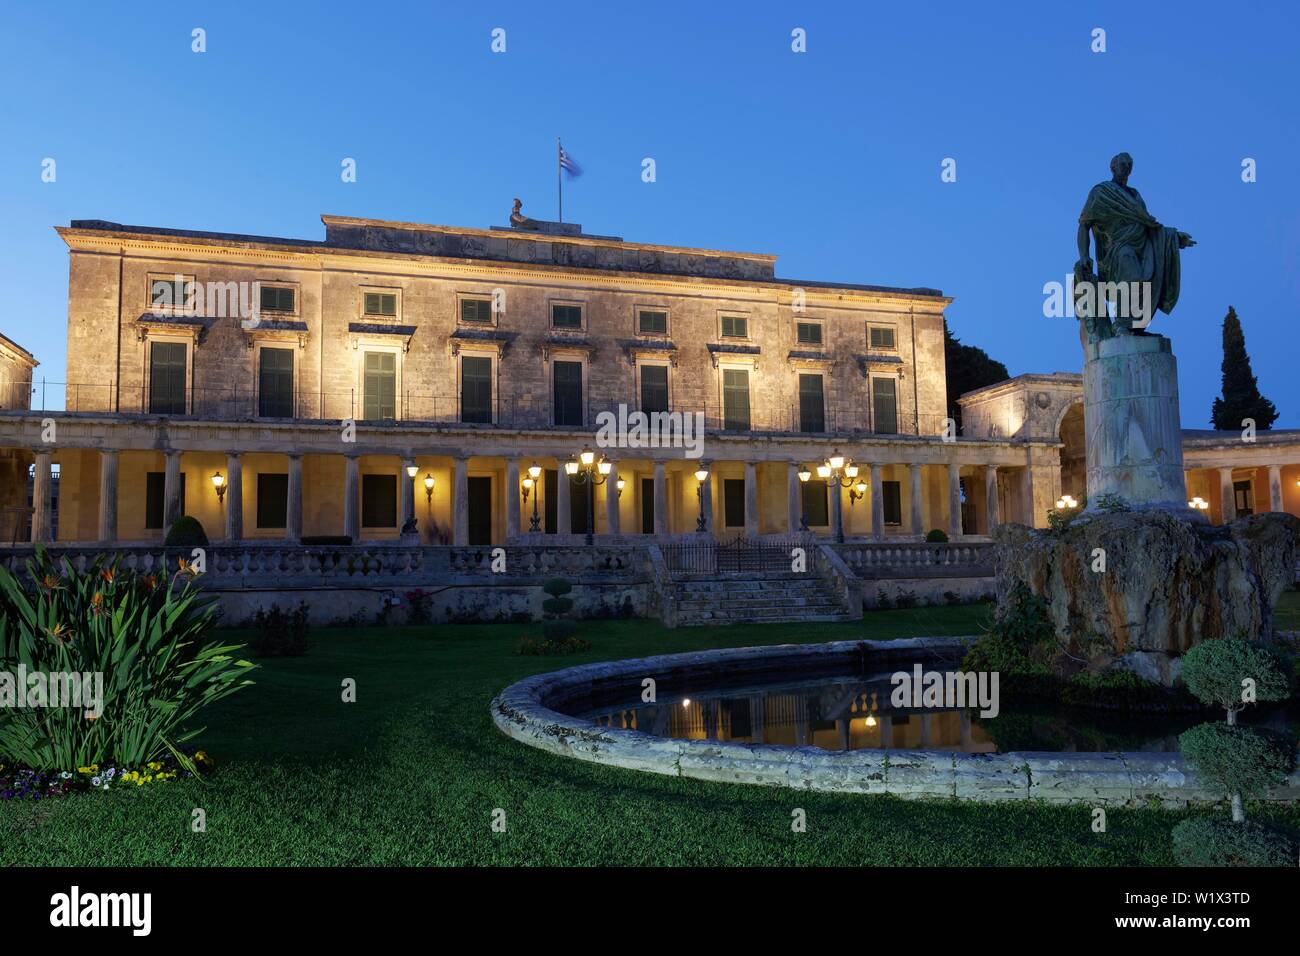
(155, 483)
(654, 388)
(812, 407)
(882, 338)
(381, 303)
(884, 405)
(566, 316)
(476, 389)
(652, 321)
(379, 386)
(891, 497)
(551, 481)
(275, 383)
(567, 392)
(272, 500)
(733, 502)
(816, 503)
(170, 292)
(167, 361)
(276, 298)
(477, 311)
(809, 333)
(378, 501)
(735, 327)
(647, 506)
(735, 399)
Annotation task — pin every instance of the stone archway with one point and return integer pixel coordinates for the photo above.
(1074, 463)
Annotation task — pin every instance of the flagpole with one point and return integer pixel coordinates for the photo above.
(559, 180)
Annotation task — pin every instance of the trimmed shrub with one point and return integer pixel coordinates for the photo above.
(1214, 670)
(281, 633)
(557, 627)
(1213, 841)
(186, 532)
(1240, 761)
(936, 536)
(149, 638)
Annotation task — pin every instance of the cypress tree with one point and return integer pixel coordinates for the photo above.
(967, 368)
(1241, 398)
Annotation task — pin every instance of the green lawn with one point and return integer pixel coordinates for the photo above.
(410, 774)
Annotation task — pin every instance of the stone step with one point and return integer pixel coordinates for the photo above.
(812, 602)
(757, 585)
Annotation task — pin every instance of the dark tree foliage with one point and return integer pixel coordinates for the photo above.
(1241, 398)
(967, 368)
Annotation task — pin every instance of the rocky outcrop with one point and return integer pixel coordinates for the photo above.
(1151, 584)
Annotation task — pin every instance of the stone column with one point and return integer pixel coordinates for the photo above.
(661, 499)
(877, 502)
(460, 502)
(512, 499)
(352, 499)
(751, 499)
(234, 497)
(1228, 500)
(991, 496)
(916, 525)
(171, 490)
(563, 503)
(611, 500)
(794, 498)
(293, 506)
(42, 519)
(406, 484)
(107, 496)
(1275, 488)
(706, 499)
(954, 500)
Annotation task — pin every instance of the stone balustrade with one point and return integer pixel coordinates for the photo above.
(364, 565)
(918, 560)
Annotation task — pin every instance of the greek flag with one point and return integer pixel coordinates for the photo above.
(569, 164)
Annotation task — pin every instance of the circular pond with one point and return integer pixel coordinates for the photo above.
(824, 717)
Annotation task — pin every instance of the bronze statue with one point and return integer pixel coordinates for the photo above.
(518, 219)
(1137, 258)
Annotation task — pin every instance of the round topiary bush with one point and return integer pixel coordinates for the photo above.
(936, 536)
(1241, 761)
(186, 532)
(1214, 841)
(1216, 671)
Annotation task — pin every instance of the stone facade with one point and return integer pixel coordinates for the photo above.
(16, 365)
(390, 297)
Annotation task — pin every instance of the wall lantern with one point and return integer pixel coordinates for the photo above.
(219, 483)
(428, 487)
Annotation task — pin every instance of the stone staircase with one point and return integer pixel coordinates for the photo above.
(756, 598)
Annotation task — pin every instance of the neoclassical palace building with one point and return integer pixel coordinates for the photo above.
(436, 380)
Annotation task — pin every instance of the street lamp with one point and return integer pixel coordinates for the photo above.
(530, 486)
(701, 475)
(1066, 503)
(587, 470)
(841, 473)
(1198, 504)
(219, 483)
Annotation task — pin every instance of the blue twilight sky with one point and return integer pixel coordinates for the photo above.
(830, 158)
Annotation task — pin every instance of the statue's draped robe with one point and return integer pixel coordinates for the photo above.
(1121, 224)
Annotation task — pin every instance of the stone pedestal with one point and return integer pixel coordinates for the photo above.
(1130, 411)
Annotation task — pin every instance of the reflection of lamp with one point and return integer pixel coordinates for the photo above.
(1198, 504)
(701, 475)
(1066, 503)
(219, 483)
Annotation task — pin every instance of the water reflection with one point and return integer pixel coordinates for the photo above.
(855, 714)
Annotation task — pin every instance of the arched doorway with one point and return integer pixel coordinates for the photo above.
(1074, 462)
